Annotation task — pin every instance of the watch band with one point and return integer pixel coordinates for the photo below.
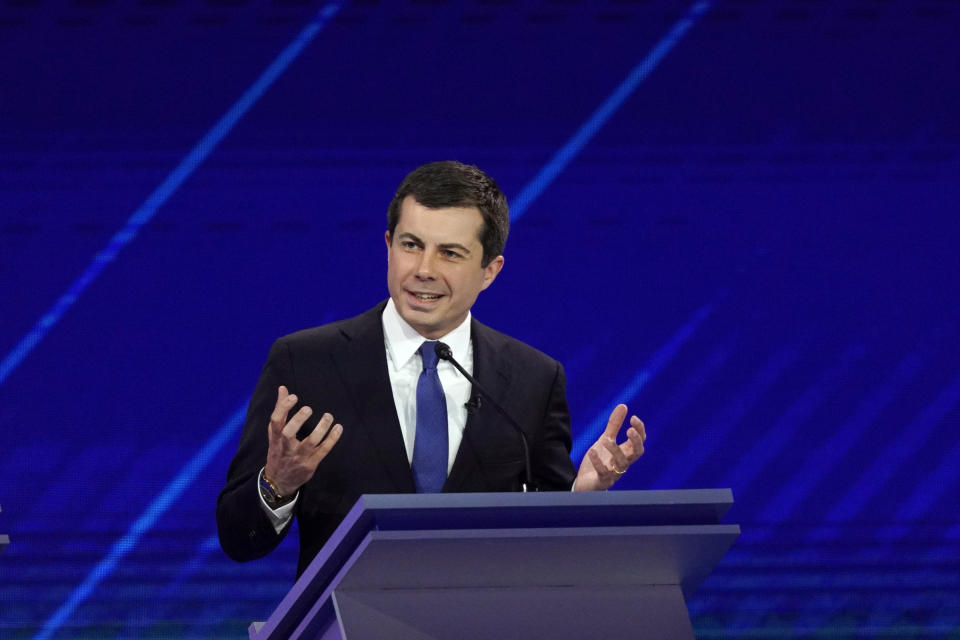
(270, 494)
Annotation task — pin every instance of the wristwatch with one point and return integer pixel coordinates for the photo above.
(270, 495)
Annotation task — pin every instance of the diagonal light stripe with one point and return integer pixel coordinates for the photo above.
(711, 437)
(167, 188)
(595, 122)
(565, 155)
(835, 449)
(693, 384)
(170, 600)
(756, 459)
(936, 482)
(144, 523)
(776, 438)
(657, 362)
(887, 464)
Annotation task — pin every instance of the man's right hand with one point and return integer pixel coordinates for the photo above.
(291, 462)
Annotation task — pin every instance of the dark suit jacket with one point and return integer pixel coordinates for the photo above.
(341, 369)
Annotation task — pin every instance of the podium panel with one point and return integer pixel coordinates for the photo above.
(656, 612)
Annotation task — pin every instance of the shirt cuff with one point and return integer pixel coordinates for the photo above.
(281, 516)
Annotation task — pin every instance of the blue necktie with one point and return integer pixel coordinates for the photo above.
(430, 448)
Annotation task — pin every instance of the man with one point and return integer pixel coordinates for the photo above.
(362, 406)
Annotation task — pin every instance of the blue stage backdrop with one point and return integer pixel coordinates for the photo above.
(739, 218)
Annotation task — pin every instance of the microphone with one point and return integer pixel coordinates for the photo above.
(444, 352)
(473, 404)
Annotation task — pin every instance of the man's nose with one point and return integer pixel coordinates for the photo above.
(426, 268)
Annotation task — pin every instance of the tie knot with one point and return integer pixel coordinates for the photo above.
(428, 355)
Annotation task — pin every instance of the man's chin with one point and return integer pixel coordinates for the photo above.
(419, 318)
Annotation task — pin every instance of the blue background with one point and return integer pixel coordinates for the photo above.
(740, 218)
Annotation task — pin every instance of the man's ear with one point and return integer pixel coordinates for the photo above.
(491, 270)
(386, 236)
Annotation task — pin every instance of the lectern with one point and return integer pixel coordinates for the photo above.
(616, 564)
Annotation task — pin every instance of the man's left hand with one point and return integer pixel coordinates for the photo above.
(606, 460)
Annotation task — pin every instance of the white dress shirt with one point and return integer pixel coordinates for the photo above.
(404, 365)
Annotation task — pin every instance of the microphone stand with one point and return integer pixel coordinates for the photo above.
(445, 353)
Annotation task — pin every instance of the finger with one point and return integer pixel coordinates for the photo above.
(319, 431)
(615, 421)
(637, 424)
(321, 451)
(291, 428)
(635, 444)
(285, 402)
(617, 457)
(598, 464)
(604, 475)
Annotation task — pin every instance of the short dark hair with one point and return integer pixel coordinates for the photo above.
(453, 184)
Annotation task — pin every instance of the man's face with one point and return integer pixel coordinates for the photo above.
(433, 266)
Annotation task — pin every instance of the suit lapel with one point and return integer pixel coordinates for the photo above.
(363, 366)
(494, 373)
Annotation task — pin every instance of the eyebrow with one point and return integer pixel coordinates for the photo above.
(454, 245)
(406, 235)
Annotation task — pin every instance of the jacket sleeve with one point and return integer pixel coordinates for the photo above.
(245, 531)
(552, 467)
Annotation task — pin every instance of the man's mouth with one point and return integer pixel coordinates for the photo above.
(426, 297)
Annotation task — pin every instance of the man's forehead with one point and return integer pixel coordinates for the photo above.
(461, 224)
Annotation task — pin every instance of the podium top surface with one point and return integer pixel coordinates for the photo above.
(546, 509)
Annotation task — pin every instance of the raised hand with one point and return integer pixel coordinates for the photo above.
(291, 462)
(606, 460)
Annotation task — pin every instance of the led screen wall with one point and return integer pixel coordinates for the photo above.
(739, 218)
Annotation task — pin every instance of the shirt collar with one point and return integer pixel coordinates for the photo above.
(403, 341)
